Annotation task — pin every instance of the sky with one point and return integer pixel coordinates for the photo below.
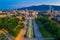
(13, 4)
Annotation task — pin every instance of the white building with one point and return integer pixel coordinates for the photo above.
(0, 11)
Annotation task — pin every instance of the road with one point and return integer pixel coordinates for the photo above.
(31, 25)
(36, 31)
(30, 29)
(38, 35)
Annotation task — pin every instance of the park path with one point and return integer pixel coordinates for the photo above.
(36, 31)
(21, 35)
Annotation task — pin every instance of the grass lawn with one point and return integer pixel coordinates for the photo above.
(48, 27)
(15, 32)
(44, 32)
(2, 35)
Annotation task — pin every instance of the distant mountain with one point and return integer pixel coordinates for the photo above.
(41, 8)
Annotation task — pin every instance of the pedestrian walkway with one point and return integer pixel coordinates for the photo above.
(20, 35)
(36, 31)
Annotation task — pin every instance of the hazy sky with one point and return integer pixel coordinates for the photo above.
(10, 4)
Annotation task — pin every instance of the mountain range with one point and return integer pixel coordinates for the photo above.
(41, 8)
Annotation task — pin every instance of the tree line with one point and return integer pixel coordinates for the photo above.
(50, 26)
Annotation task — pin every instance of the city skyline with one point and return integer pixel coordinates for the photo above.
(12, 4)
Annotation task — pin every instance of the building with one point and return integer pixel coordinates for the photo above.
(57, 17)
(0, 11)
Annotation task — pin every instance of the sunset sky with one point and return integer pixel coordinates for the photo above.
(12, 4)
